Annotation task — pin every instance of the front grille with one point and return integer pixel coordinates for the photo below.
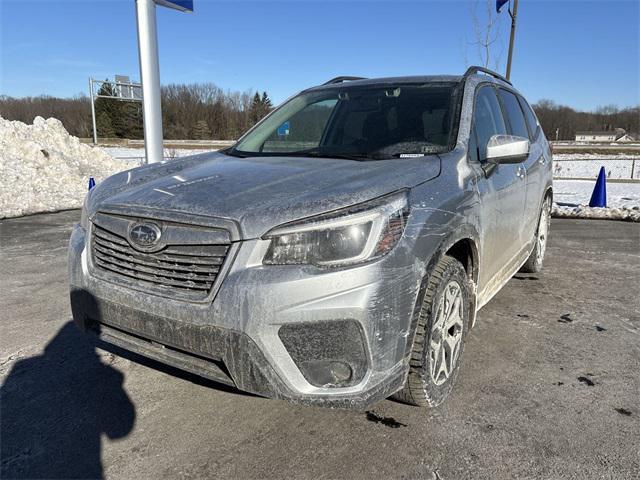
(176, 270)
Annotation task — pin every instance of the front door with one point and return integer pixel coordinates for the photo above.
(517, 125)
(502, 193)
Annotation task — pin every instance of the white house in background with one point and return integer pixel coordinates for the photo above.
(598, 136)
(626, 138)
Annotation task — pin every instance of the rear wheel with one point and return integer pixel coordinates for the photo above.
(442, 328)
(534, 262)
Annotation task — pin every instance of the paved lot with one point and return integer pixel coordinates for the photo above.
(549, 387)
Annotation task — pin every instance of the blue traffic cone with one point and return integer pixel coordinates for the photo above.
(599, 195)
(92, 183)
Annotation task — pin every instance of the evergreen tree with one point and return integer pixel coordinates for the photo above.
(104, 126)
(260, 107)
(111, 112)
(133, 125)
(202, 130)
(256, 109)
(266, 103)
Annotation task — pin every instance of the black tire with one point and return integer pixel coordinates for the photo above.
(421, 389)
(535, 260)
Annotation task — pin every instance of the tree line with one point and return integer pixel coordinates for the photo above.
(566, 121)
(205, 111)
(196, 111)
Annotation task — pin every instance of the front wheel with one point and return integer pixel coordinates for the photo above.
(442, 328)
(534, 262)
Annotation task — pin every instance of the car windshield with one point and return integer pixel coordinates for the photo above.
(358, 122)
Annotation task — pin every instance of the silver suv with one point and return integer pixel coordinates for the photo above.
(337, 254)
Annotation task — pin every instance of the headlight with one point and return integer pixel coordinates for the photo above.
(354, 235)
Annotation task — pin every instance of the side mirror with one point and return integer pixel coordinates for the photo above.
(507, 149)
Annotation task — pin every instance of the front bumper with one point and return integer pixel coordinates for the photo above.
(237, 338)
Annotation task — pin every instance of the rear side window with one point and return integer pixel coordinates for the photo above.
(532, 121)
(514, 114)
(487, 118)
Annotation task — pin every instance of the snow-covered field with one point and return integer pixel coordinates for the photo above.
(136, 155)
(572, 196)
(621, 166)
(578, 192)
(571, 199)
(43, 169)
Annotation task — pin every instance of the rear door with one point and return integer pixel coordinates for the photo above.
(517, 125)
(540, 165)
(502, 192)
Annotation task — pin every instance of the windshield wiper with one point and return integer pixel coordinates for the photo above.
(312, 152)
(232, 152)
(342, 156)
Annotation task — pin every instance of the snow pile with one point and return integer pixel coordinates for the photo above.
(630, 214)
(45, 169)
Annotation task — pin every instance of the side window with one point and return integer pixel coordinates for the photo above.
(532, 121)
(514, 114)
(487, 118)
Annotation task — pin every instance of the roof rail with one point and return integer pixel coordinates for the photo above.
(342, 79)
(475, 69)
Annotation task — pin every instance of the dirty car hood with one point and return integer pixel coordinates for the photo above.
(258, 193)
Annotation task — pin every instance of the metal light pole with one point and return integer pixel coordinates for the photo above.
(93, 112)
(150, 77)
(513, 14)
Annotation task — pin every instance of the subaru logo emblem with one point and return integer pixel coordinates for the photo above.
(144, 235)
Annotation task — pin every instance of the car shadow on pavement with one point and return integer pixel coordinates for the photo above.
(55, 408)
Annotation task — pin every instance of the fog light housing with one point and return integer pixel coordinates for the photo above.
(328, 373)
(329, 353)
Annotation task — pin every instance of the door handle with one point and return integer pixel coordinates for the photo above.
(542, 160)
(520, 171)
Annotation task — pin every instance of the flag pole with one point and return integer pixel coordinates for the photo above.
(513, 14)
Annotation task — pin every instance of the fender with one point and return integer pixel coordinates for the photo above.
(459, 233)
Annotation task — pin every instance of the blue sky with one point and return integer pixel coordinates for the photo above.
(579, 53)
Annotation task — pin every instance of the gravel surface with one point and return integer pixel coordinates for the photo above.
(549, 386)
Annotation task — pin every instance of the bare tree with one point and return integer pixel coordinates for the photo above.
(189, 111)
(486, 30)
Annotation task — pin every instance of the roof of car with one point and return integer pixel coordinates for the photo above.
(476, 72)
(417, 79)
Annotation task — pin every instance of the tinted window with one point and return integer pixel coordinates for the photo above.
(514, 114)
(532, 121)
(488, 119)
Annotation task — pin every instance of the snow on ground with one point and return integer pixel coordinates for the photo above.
(571, 199)
(136, 155)
(44, 169)
(578, 192)
(595, 156)
(588, 166)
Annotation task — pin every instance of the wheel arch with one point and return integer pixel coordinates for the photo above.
(462, 243)
(465, 250)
